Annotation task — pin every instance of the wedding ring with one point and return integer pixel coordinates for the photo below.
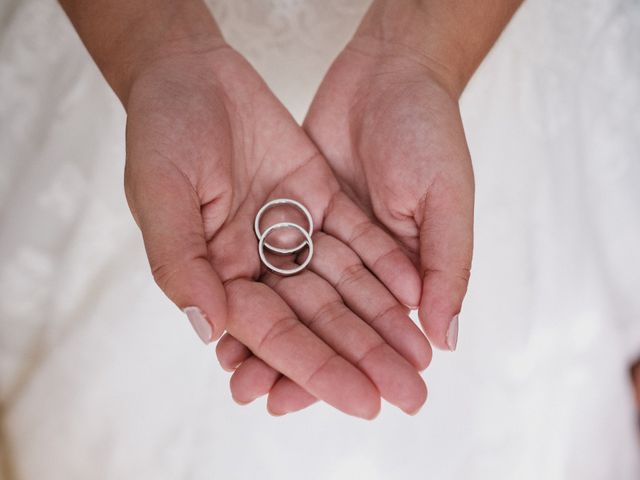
(263, 243)
(284, 201)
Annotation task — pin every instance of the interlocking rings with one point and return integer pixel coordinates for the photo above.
(262, 237)
(275, 203)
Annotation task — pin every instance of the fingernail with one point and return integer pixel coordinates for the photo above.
(452, 334)
(199, 323)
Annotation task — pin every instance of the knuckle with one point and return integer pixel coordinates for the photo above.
(277, 329)
(163, 273)
(387, 313)
(351, 274)
(361, 230)
(319, 369)
(367, 353)
(388, 254)
(327, 314)
(170, 276)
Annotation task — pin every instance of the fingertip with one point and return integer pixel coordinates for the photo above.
(371, 411)
(440, 306)
(197, 290)
(273, 413)
(400, 331)
(422, 354)
(370, 402)
(452, 333)
(417, 348)
(216, 307)
(435, 326)
(419, 406)
(396, 379)
(251, 380)
(412, 286)
(199, 323)
(345, 387)
(231, 353)
(217, 333)
(416, 398)
(401, 277)
(286, 397)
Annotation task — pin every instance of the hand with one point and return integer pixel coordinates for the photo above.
(207, 145)
(392, 133)
(390, 127)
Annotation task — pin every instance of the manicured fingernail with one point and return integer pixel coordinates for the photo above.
(199, 323)
(452, 334)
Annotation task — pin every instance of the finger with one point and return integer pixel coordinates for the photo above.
(167, 210)
(377, 249)
(260, 319)
(254, 378)
(251, 380)
(286, 396)
(446, 245)
(320, 307)
(231, 353)
(369, 299)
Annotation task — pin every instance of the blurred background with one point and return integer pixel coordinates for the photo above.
(102, 378)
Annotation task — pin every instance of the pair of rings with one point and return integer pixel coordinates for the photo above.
(263, 244)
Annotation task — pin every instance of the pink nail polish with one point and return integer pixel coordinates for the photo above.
(199, 323)
(452, 334)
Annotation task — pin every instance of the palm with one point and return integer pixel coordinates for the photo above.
(226, 152)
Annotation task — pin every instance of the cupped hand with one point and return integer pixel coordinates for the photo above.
(391, 130)
(207, 145)
(387, 119)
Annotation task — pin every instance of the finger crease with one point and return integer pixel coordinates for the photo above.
(349, 274)
(381, 315)
(277, 330)
(360, 230)
(330, 312)
(368, 352)
(384, 256)
(317, 370)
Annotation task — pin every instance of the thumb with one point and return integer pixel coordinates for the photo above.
(168, 211)
(446, 245)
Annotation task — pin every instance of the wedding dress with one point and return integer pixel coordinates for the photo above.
(102, 378)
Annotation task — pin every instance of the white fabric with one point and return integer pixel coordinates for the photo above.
(102, 378)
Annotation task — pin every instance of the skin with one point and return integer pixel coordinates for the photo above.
(382, 164)
(200, 163)
(371, 112)
(385, 144)
(387, 118)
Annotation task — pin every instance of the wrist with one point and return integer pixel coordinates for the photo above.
(126, 38)
(403, 29)
(192, 32)
(448, 38)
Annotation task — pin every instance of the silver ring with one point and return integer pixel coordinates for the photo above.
(283, 271)
(283, 201)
